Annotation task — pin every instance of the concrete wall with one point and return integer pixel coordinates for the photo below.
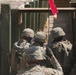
(13, 3)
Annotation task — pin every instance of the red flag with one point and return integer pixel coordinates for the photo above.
(53, 8)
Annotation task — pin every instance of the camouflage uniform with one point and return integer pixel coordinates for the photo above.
(36, 55)
(62, 49)
(18, 59)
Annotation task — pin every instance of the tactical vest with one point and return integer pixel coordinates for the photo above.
(35, 53)
(20, 54)
(62, 51)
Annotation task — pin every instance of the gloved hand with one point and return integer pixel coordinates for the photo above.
(49, 52)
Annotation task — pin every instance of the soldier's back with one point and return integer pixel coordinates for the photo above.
(63, 52)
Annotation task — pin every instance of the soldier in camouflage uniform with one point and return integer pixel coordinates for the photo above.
(18, 60)
(36, 57)
(62, 49)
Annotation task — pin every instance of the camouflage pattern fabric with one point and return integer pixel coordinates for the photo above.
(36, 52)
(32, 70)
(39, 70)
(63, 52)
(28, 32)
(18, 59)
(57, 32)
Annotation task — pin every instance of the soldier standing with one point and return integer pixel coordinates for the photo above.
(62, 49)
(37, 54)
(18, 60)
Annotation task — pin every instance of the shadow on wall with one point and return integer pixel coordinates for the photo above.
(65, 21)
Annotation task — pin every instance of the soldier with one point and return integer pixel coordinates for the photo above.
(36, 55)
(18, 60)
(62, 49)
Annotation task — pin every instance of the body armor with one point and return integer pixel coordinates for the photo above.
(38, 53)
(36, 58)
(35, 53)
(18, 59)
(63, 52)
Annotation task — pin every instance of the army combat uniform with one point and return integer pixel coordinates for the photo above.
(36, 58)
(62, 50)
(18, 59)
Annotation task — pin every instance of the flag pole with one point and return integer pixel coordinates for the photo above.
(48, 23)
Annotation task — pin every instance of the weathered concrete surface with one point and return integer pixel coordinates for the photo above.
(13, 3)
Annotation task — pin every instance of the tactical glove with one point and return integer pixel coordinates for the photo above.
(49, 52)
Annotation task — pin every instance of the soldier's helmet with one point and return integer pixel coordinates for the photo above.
(28, 32)
(40, 36)
(57, 32)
